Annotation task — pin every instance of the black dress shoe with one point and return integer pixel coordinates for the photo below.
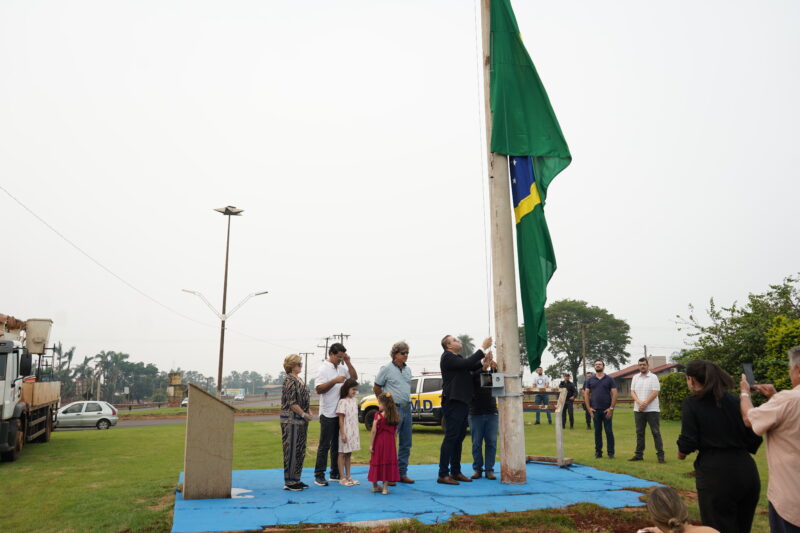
(636, 458)
(447, 480)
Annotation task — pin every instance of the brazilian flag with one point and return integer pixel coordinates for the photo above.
(525, 128)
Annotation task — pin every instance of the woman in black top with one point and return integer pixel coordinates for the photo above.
(726, 476)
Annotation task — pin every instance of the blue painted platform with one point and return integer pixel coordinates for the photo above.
(259, 499)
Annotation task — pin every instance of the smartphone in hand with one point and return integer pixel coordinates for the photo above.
(747, 368)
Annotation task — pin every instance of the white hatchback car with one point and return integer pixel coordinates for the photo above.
(101, 415)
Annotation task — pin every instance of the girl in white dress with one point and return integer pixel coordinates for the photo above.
(349, 437)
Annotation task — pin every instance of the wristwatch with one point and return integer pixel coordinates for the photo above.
(747, 394)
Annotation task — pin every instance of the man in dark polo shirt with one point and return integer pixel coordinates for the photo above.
(457, 392)
(483, 424)
(600, 394)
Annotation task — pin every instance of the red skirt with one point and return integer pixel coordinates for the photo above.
(383, 463)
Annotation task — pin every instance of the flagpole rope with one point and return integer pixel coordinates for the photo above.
(484, 165)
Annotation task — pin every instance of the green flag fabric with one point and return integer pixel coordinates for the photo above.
(525, 128)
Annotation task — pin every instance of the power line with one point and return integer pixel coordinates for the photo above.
(123, 280)
(98, 263)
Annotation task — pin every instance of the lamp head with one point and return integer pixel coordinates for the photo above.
(229, 210)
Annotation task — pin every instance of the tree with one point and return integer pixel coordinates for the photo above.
(62, 371)
(467, 345)
(606, 337)
(783, 334)
(673, 391)
(83, 376)
(739, 333)
(116, 361)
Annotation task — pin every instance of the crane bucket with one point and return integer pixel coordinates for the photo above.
(37, 334)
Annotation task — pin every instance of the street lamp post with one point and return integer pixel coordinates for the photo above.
(228, 211)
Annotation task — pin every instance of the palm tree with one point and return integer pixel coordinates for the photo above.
(103, 367)
(467, 345)
(115, 360)
(61, 370)
(82, 374)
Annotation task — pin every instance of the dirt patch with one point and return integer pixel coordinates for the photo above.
(616, 521)
(585, 518)
(164, 503)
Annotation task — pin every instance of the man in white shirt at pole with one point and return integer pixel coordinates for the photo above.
(645, 387)
(332, 373)
(540, 381)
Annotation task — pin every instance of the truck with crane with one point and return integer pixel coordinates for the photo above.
(28, 400)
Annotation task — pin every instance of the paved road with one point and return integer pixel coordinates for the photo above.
(172, 422)
(271, 402)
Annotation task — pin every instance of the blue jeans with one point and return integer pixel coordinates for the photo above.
(541, 399)
(483, 428)
(601, 423)
(404, 437)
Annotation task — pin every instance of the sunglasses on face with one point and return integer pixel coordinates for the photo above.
(403, 353)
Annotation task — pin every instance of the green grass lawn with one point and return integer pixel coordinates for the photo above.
(123, 479)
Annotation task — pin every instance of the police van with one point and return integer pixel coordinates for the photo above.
(426, 401)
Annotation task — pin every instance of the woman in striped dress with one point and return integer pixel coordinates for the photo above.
(295, 415)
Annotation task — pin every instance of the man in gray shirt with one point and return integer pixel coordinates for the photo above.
(396, 378)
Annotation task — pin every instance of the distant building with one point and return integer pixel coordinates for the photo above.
(658, 366)
(270, 391)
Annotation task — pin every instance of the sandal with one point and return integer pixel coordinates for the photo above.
(385, 489)
(346, 483)
(353, 481)
(376, 489)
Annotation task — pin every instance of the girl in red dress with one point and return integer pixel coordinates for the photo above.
(383, 463)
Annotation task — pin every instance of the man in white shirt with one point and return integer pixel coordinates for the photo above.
(540, 381)
(332, 373)
(645, 387)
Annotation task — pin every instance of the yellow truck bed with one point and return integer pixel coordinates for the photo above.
(41, 393)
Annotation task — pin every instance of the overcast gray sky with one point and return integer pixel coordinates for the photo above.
(349, 131)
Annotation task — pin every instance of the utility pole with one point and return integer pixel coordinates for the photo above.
(341, 337)
(583, 348)
(504, 285)
(645, 351)
(305, 364)
(325, 354)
